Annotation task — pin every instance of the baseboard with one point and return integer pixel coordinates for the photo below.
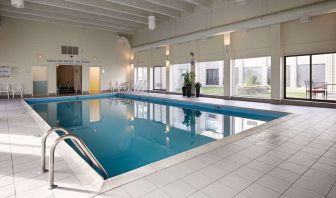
(308, 103)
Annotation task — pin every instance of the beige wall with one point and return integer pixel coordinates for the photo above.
(319, 35)
(21, 43)
(290, 38)
(221, 13)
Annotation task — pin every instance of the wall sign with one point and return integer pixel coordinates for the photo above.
(4, 71)
(64, 61)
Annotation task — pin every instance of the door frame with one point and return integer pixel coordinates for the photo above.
(99, 78)
(310, 78)
(74, 71)
(47, 75)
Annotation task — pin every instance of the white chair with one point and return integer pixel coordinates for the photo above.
(17, 90)
(5, 90)
(115, 86)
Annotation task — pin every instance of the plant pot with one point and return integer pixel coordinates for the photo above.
(188, 87)
(184, 91)
(198, 89)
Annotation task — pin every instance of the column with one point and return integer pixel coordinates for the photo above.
(149, 78)
(167, 61)
(227, 72)
(276, 64)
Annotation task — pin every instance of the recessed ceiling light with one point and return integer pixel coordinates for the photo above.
(17, 3)
(151, 22)
(304, 19)
(241, 2)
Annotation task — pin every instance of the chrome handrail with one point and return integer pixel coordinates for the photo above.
(44, 142)
(82, 147)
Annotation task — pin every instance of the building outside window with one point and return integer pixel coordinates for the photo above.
(311, 77)
(252, 77)
(176, 76)
(210, 75)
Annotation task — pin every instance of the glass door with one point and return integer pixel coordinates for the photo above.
(159, 78)
(297, 77)
(311, 77)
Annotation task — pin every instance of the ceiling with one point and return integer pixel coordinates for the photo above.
(121, 16)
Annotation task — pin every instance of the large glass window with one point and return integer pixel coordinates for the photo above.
(176, 76)
(210, 75)
(252, 77)
(159, 75)
(298, 77)
(311, 77)
(140, 78)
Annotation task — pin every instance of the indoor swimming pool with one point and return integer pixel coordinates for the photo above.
(125, 131)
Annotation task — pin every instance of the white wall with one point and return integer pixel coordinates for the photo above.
(21, 43)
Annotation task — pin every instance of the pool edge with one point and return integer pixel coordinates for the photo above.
(151, 168)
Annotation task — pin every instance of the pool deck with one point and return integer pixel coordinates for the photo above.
(294, 157)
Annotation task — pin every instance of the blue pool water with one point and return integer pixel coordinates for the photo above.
(125, 132)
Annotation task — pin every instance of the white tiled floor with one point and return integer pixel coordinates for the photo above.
(294, 158)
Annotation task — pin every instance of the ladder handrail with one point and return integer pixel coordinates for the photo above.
(44, 142)
(82, 147)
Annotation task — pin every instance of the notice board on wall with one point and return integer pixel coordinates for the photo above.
(4, 71)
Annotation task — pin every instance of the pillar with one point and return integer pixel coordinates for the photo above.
(276, 50)
(227, 68)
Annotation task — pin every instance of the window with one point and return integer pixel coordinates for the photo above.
(140, 77)
(176, 76)
(311, 77)
(159, 78)
(210, 75)
(159, 113)
(140, 110)
(252, 77)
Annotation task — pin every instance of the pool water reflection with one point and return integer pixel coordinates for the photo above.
(125, 134)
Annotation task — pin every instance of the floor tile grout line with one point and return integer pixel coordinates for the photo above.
(10, 149)
(310, 165)
(333, 186)
(217, 180)
(277, 166)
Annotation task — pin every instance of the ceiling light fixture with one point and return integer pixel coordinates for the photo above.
(17, 3)
(241, 2)
(304, 19)
(151, 22)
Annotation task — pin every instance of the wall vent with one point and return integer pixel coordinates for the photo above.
(70, 50)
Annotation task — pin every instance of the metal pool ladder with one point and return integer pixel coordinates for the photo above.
(78, 142)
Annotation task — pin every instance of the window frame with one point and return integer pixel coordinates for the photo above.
(310, 77)
(161, 79)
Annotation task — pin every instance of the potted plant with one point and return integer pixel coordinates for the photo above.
(189, 82)
(184, 90)
(190, 116)
(198, 86)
